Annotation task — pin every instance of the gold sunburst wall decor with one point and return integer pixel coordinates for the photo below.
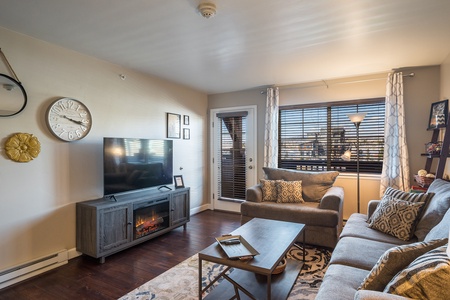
(22, 147)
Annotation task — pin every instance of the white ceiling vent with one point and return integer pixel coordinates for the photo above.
(207, 10)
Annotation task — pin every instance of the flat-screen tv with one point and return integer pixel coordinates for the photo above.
(131, 164)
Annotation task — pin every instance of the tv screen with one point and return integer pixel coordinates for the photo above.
(131, 164)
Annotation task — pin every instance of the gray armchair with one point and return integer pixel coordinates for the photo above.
(321, 212)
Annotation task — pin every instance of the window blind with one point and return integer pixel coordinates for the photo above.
(313, 138)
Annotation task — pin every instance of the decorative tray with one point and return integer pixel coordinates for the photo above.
(236, 247)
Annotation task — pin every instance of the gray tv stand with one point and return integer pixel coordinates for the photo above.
(108, 225)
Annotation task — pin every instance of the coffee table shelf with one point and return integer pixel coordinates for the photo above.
(254, 278)
(256, 284)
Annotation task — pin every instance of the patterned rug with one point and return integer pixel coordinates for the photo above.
(181, 281)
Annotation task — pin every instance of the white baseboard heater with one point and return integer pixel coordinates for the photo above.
(32, 268)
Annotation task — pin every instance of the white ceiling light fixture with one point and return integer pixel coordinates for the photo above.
(207, 10)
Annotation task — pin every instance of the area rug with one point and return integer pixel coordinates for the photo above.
(181, 281)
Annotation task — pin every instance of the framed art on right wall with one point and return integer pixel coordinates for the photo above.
(438, 115)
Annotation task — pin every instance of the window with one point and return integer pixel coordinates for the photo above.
(313, 137)
(232, 180)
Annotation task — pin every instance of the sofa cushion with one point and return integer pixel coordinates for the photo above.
(289, 191)
(441, 230)
(314, 184)
(396, 217)
(394, 260)
(427, 277)
(269, 190)
(435, 209)
(307, 213)
(340, 282)
(358, 252)
(357, 226)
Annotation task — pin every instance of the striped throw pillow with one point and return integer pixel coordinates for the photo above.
(395, 260)
(427, 277)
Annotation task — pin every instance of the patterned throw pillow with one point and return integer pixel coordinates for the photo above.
(289, 192)
(396, 217)
(395, 260)
(410, 197)
(427, 277)
(269, 190)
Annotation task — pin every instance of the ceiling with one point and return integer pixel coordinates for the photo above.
(248, 43)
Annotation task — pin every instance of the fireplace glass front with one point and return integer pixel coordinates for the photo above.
(150, 218)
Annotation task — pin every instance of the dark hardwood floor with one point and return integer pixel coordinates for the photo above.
(84, 278)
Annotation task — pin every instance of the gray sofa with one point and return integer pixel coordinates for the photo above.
(360, 248)
(321, 210)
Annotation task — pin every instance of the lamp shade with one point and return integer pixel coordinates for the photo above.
(357, 118)
(347, 155)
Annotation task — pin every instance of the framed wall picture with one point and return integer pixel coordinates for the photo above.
(186, 133)
(179, 183)
(438, 115)
(185, 120)
(173, 126)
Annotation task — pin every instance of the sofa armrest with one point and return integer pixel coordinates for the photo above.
(371, 207)
(374, 295)
(254, 193)
(333, 199)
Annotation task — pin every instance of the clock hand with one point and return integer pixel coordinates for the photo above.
(75, 121)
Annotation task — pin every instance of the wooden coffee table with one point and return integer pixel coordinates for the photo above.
(253, 279)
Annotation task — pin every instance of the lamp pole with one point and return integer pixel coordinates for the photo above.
(357, 119)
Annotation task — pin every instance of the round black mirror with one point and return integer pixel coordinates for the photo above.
(13, 97)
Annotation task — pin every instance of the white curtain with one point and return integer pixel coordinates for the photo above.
(271, 129)
(395, 171)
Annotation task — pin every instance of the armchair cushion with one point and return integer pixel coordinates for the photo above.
(314, 184)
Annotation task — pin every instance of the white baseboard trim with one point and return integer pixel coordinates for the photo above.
(199, 209)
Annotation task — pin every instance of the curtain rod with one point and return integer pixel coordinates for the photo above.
(325, 83)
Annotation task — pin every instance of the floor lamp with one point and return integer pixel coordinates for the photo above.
(357, 119)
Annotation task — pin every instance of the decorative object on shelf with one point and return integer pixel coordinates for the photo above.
(179, 183)
(424, 179)
(22, 147)
(438, 115)
(356, 119)
(12, 94)
(186, 133)
(173, 126)
(68, 119)
(433, 148)
(185, 120)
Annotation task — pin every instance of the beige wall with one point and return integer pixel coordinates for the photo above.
(420, 91)
(37, 204)
(445, 90)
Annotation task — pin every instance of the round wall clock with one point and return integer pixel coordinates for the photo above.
(68, 119)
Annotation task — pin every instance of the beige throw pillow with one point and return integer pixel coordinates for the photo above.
(269, 190)
(289, 192)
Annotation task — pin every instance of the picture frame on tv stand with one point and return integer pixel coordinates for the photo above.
(178, 181)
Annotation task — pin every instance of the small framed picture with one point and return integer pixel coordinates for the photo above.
(179, 183)
(186, 133)
(438, 115)
(185, 120)
(173, 126)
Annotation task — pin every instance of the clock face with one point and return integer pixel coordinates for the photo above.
(69, 119)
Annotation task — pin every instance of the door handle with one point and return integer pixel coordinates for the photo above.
(250, 167)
